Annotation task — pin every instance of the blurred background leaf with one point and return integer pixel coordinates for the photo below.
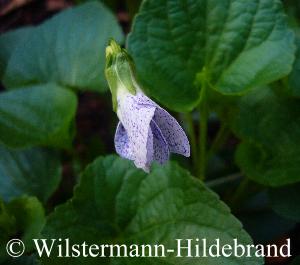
(68, 49)
(37, 115)
(8, 42)
(286, 200)
(261, 222)
(28, 218)
(34, 172)
(269, 126)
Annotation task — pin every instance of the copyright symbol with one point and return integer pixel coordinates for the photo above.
(15, 248)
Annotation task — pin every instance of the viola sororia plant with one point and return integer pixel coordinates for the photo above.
(167, 123)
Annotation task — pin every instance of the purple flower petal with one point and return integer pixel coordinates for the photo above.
(136, 120)
(172, 132)
(122, 142)
(160, 145)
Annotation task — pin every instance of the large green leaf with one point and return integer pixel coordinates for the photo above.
(269, 125)
(235, 45)
(37, 115)
(8, 42)
(286, 200)
(35, 172)
(68, 49)
(117, 203)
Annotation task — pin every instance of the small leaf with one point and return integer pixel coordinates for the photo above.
(34, 172)
(7, 223)
(115, 202)
(285, 201)
(68, 49)
(37, 115)
(269, 125)
(29, 219)
(232, 45)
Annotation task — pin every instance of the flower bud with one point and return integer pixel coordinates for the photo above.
(119, 71)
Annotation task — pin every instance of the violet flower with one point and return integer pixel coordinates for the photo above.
(146, 132)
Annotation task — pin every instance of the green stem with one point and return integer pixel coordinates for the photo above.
(203, 109)
(239, 194)
(223, 180)
(191, 131)
(219, 140)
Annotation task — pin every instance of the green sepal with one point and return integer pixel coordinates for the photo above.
(119, 71)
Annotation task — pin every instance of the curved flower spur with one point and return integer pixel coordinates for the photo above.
(146, 132)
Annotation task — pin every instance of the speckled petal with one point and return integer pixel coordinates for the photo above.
(160, 145)
(150, 154)
(172, 132)
(136, 119)
(122, 142)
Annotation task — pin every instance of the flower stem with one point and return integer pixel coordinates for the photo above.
(237, 198)
(219, 140)
(203, 109)
(191, 131)
(224, 180)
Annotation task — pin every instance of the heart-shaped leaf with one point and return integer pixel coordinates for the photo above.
(233, 45)
(117, 203)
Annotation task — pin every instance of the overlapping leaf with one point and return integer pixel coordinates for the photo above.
(269, 126)
(118, 203)
(286, 200)
(8, 42)
(37, 115)
(234, 45)
(68, 49)
(34, 172)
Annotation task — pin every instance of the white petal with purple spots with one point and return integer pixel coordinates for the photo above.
(122, 142)
(136, 120)
(172, 132)
(147, 132)
(160, 145)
